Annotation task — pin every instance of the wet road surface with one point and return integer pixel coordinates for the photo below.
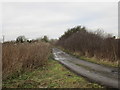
(103, 75)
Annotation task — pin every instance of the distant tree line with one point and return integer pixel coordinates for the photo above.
(90, 44)
(22, 39)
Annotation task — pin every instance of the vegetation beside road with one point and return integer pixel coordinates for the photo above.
(53, 75)
(22, 57)
(96, 47)
(92, 59)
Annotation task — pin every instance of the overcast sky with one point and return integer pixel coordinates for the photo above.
(36, 19)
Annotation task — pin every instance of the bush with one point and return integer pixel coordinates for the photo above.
(21, 39)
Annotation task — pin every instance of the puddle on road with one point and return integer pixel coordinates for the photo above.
(57, 57)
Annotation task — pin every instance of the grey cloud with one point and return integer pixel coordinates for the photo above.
(52, 19)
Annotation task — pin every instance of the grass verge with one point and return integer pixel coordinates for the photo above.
(54, 75)
(101, 62)
(92, 59)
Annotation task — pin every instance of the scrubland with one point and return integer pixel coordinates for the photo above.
(22, 57)
(98, 45)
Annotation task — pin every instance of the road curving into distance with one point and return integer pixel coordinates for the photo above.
(103, 75)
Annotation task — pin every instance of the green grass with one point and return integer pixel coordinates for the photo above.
(54, 75)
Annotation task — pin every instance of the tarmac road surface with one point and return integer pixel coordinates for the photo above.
(103, 75)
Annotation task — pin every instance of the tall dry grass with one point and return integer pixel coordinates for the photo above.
(23, 56)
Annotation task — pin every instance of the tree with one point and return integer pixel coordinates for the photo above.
(45, 38)
(21, 39)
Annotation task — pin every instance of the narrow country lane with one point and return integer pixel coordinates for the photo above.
(103, 75)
